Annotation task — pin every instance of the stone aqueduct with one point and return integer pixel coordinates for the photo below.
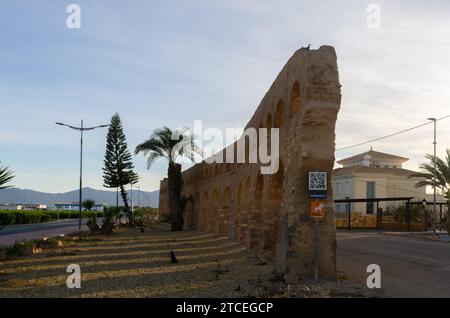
(268, 214)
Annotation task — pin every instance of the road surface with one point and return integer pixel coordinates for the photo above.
(13, 233)
(410, 266)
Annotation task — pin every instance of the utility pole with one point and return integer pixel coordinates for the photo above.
(434, 178)
(81, 129)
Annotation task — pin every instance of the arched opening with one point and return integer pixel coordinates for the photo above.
(188, 216)
(196, 211)
(295, 99)
(213, 212)
(204, 211)
(237, 213)
(245, 210)
(272, 220)
(256, 225)
(225, 212)
(279, 114)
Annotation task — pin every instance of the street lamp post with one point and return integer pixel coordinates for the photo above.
(434, 120)
(81, 129)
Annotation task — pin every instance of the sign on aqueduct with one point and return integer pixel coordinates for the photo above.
(269, 213)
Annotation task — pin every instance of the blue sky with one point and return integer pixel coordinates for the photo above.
(171, 62)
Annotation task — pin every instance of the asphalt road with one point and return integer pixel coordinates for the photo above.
(410, 266)
(13, 233)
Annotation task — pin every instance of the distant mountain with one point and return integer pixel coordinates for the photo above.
(15, 195)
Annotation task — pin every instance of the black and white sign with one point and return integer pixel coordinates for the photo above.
(317, 185)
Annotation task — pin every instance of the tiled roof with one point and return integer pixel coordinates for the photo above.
(374, 154)
(372, 170)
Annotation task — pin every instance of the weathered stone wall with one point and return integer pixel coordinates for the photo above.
(268, 214)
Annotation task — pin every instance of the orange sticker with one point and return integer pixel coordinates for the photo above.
(317, 210)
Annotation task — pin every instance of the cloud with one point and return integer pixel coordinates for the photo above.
(172, 62)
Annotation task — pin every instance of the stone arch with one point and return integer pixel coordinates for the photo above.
(295, 99)
(256, 225)
(204, 211)
(196, 211)
(213, 211)
(188, 215)
(225, 208)
(244, 212)
(272, 219)
(238, 213)
(279, 114)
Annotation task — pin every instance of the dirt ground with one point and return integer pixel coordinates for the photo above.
(134, 264)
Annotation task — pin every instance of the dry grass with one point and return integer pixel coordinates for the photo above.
(134, 264)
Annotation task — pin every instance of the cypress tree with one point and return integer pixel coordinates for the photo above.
(118, 164)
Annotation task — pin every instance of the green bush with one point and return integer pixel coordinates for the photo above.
(46, 217)
(29, 217)
(7, 218)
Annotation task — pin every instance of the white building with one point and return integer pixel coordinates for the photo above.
(25, 207)
(8, 207)
(374, 174)
(76, 207)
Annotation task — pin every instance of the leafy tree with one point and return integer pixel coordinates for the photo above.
(88, 204)
(442, 177)
(170, 144)
(118, 165)
(6, 175)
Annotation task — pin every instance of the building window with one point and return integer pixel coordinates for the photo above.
(370, 194)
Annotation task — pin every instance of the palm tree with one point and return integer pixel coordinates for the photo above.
(170, 144)
(6, 176)
(442, 177)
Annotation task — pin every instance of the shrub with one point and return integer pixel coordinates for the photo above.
(19, 248)
(92, 224)
(7, 218)
(10, 217)
(46, 217)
